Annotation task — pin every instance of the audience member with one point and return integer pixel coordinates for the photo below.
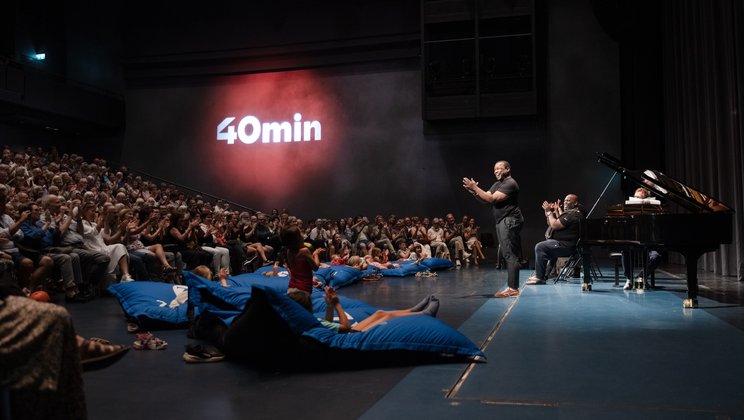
(470, 234)
(436, 239)
(429, 306)
(453, 238)
(301, 263)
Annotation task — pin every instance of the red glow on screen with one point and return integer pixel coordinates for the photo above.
(269, 174)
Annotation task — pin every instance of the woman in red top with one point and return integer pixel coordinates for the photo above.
(301, 264)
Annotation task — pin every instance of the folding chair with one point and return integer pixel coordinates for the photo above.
(576, 260)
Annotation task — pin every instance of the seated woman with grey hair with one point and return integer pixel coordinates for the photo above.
(90, 226)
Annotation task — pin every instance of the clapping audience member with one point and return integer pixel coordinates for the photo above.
(183, 235)
(470, 234)
(89, 226)
(33, 269)
(253, 249)
(380, 234)
(453, 238)
(40, 237)
(136, 228)
(420, 236)
(93, 263)
(404, 251)
(318, 235)
(344, 229)
(339, 246)
(361, 235)
(400, 234)
(214, 243)
(263, 235)
(436, 239)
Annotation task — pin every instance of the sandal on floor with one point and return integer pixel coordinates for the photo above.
(132, 327)
(147, 341)
(98, 353)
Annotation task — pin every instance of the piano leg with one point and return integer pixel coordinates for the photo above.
(691, 260)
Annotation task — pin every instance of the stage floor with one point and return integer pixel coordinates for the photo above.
(554, 351)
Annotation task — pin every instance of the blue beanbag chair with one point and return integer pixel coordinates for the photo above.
(407, 268)
(227, 302)
(152, 304)
(339, 276)
(275, 329)
(437, 263)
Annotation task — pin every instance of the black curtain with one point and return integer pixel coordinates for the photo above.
(703, 59)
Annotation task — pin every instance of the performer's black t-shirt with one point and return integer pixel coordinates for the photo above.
(571, 220)
(510, 206)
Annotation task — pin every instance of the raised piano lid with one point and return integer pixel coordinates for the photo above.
(667, 187)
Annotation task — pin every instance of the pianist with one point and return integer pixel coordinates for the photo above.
(561, 237)
(652, 257)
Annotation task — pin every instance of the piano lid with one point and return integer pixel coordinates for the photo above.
(666, 187)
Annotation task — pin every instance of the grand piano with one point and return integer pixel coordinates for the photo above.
(696, 224)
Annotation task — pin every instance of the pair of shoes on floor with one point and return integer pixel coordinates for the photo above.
(202, 353)
(508, 292)
(372, 277)
(426, 273)
(147, 341)
(75, 295)
(98, 353)
(534, 280)
(629, 284)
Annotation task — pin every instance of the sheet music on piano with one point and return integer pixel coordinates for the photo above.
(649, 200)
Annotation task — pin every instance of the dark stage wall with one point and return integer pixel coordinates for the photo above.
(376, 155)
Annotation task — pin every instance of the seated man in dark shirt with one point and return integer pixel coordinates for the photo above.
(564, 228)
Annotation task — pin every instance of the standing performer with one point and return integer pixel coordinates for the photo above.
(504, 199)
